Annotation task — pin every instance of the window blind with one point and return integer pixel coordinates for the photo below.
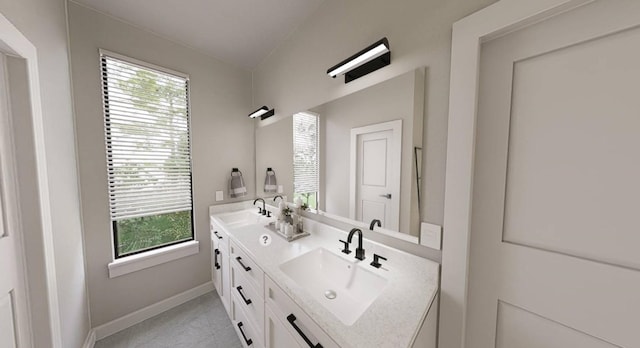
(147, 139)
(305, 153)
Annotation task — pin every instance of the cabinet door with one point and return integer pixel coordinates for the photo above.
(225, 279)
(216, 268)
(299, 325)
(276, 334)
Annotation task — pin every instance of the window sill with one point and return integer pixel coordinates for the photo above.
(152, 258)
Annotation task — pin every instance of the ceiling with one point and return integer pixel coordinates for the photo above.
(241, 32)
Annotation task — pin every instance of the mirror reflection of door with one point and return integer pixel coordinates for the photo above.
(375, 173)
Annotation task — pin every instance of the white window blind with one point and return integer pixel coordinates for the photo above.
(147, 139)
(305, 153)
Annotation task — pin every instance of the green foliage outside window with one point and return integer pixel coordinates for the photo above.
(308, 198)
(146, 232)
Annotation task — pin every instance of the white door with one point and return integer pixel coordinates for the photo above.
(14, 321)
(555, 237)
(376, 151)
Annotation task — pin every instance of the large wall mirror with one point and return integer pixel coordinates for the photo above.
(369, 154)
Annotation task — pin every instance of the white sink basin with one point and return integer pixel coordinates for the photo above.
(243, 218)
(324, 274)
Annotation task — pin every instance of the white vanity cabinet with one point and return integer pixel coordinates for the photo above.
(270, 307)
(247, 283)
(220, 269)
(287, 323)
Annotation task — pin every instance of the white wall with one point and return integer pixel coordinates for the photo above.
(294, 78)
(43, 22)
(222, 138)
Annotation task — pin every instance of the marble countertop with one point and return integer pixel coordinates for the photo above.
(392, 320)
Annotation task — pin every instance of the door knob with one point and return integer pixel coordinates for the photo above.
(387, 196)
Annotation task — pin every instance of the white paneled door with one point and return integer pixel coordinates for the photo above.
(14, 322)
(555, 238)
(376, 151)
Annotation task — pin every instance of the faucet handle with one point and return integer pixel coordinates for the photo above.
(346, 247)
(268, 213)
(259, 210)
(376, 260)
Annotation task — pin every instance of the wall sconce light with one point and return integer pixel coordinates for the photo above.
(368, 60)
(263, 113)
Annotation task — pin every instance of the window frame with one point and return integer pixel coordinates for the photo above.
(318, 156)
(107, 139)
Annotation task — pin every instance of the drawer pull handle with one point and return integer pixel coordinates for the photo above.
(246, 301)
(291, 319)
(239, 259)
(217, 235)
(215, 258)
(248, 341)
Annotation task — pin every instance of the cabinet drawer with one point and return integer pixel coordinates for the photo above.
(248, 334)
(298, 323)
(247, 296)
(247, 267)
(219, 235)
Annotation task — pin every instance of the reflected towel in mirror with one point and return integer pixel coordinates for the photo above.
(270, 181)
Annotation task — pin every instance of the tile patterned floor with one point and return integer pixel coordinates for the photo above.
(199, 323)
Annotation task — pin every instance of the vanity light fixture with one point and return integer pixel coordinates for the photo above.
(368, 60)
(263, 113)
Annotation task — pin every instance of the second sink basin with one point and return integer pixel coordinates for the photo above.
(242, 218)
(343, 287)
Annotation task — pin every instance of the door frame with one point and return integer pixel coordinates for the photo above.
(468, 35)
(396, 147)
(13, 43)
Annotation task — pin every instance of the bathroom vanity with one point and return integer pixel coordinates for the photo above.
(308, 293)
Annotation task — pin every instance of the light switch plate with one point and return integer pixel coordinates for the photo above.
(219, 196)
(431, 235)
(280, 189)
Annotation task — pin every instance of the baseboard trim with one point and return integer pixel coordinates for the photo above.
(145, 313)
(90, 341)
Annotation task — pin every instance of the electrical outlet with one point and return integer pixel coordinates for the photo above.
(431, 235)
(219, 196)
(280, 189)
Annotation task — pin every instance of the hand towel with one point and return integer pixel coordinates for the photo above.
(236, 184)
(270, 181)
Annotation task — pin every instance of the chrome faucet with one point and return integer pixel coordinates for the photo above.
(262, 210)
(359, 249)
(375, 222)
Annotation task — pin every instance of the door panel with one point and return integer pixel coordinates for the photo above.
(520, 328)
(7, 328)
(373, 183)
(374, 160)
(372, 210)
(575, 135)
(376, 150)
(553, 260)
